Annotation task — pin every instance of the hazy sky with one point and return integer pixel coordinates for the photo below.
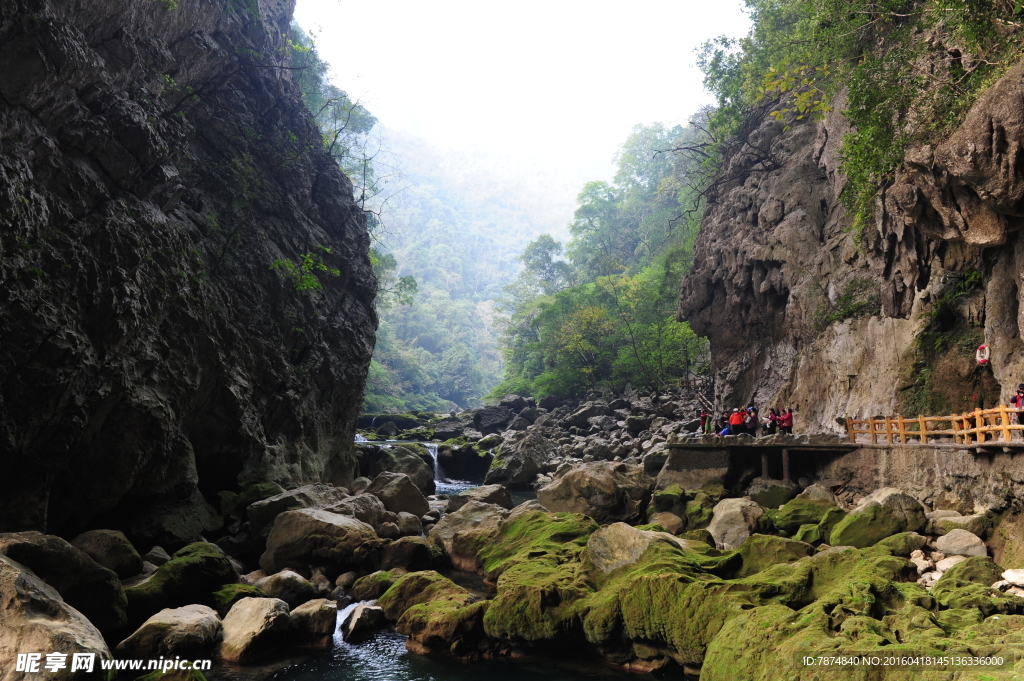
(548, 88)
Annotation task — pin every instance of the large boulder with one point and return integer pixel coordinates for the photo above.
(312, 623)
(447, 429)
(487, 494)
(262, 513)
(82, 582)
(35, 619)
(519, 461)
(361, 622)
(398, 493)
(192, 575)
(607, 491)
(112, 550)
(190, 631)
(772, 493)
(255, 628)
(365, 507)
(884, 513)
(289, 586)
(588, 410)
(461, 534)
(402, 460)
(372, 586)
(411, 553)
(492, 419)
(805, 509)
(514, 402)
(312, 536)
(959, 542)
(619, 544)
(733, 521)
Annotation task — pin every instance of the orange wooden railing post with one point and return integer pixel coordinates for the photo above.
(1004, 421)
(924, 429)
(871, 425)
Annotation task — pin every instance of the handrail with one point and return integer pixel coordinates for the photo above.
(972, 427)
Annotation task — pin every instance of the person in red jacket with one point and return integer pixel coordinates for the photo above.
(786, 421)
(736, 422)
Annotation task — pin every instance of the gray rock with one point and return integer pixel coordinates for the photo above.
(312, 536)
(447, 429)
(409, 525)
(513, 402)
(361, 622)
(401, 460)
(519, 462)
(412, 553)
(733, 521)
(492, 419)
(398, 494)
(961, 543)
(289, 586)
(262, 513)
(86, 585)
(312, 624)
(191, 631)
(772, 493)
(157, 556)
(488, 494)
(906, 508)
(604, 490)
(580, 417)
(254, 628)
(111, 549)
(359, 485)
(364, 507)
(475, 521)
(36, 619)
(389, 531)
(619, 544)
(670, 521)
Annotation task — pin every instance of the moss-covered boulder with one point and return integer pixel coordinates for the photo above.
(373, 585)
(403, 459)
(112, 550)
(672, 500)
(968, 585)
(229, 594)
(534, 534)
(806, 508)
(192, 575)
(435, 613)
(699, 511)
(761, 552)
(865, 527)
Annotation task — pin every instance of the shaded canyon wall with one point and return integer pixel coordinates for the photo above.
(155, 160)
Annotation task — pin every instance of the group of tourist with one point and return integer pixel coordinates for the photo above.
(748, 421)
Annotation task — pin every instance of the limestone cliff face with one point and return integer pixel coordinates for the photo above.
(155, 160)
(801, 312)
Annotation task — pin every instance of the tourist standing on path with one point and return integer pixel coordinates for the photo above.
(1017, 402)
(751, 421)
(786, 421)
(773, 422)
(736, 422)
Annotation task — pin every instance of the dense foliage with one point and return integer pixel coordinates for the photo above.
(902, 72)
(604, 316)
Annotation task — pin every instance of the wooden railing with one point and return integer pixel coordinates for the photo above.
(973, 427)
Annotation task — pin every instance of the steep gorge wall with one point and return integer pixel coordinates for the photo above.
(801, 312)
(155, 160)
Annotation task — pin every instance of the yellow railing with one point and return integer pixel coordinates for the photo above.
(973, 427)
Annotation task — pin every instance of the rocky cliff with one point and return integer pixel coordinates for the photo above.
(155, 161)
(802, 311)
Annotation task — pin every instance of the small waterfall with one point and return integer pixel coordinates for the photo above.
(360, 438)
(432, 448)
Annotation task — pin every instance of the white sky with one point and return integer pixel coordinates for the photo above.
(547, 88)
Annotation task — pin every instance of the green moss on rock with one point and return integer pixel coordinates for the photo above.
(865, 527)
(374, 585)
(801, 510)
(761, 552)
(415, 588)
(529, 536)
(191, 576)
(229, 594)
(699, 511)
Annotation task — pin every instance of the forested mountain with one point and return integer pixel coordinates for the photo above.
(457, 226)
(603, 316)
